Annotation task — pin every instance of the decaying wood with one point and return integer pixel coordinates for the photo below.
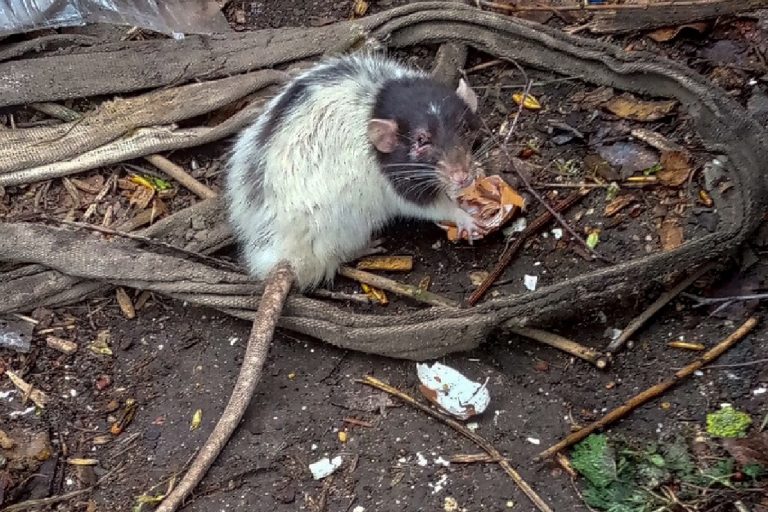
(654, 391)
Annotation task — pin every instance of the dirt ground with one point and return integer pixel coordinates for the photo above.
(173, 359)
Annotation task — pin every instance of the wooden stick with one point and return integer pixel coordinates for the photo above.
(653, 391)
(662, 301)
(406, 290)
(513, 248)
(564, 344)
(179, 174)
(472, 436)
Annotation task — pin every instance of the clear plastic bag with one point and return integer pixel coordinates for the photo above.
(172, 17)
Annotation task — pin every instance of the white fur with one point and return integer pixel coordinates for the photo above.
(322, 193)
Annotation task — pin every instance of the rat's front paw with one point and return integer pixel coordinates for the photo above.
(469, 227)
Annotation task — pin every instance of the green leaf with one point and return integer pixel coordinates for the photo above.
(594, 459)
(593, 239)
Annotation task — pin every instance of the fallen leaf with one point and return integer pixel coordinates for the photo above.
(752, 449)
(629, 107)
(129, 412)
(387, 263)
(38, 397)
(655, 140)
(676, 167)
(424, 283)
(628, 157)
(125, 303)
(528, 102)
(665, 34)
(100, 345)
(590, 100)
(375, 294)
(197, 420)
(593, 238)
(490, 200)
(619, 203)
(141, 197)
(671, 234)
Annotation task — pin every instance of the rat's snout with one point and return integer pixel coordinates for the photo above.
(458, 169)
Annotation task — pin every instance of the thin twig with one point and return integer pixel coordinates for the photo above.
(513, 248)
(737, 365)
(484, 65)
(472, 436)
(52, 500)
(659, 303)
(390, 285)
(705, 301)
(148, 241)
(564, 344)
(538, 196)
(653, 391)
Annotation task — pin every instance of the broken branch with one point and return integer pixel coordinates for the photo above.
(564, 344)
(659, 303)
(654, 391)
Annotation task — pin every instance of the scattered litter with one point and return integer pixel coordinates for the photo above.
(325, 467)
(38, 397)
(197, 419)
(557, 233)
(698, 373)
(452, 391)
(760, 391)
(440, 484)
(359, 508)
(475, 425)
(530, 282)
(422, 460)
(16, 414)
(440, 461)
(517, 226)
(612, 333)
(533, 440)
(16, 335)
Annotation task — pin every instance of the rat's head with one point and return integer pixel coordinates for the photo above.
(423, 133)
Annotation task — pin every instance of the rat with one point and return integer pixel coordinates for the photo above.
(345, 148)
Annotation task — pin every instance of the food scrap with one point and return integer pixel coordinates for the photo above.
(490, 200)
(452, 391)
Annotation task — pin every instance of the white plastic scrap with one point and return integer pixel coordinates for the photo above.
(324, 467)
(530, 282)
(453, 392)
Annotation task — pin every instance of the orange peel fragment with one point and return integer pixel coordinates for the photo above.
(491, 201)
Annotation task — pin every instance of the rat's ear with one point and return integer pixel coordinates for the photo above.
(383, 134)
(465, 92)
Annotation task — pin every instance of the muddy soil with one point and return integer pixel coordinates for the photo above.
(173, 360)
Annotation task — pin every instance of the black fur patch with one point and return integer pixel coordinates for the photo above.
(409, 102)
(292, 96)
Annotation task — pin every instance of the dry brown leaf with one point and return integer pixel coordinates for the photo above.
(619, 203)
(676, 167)
(38, 397)
(125, 303)
(629, 107)
(665, 34)
(387, 263)
(141, 197)
(749, 450)
(490, 200)
(671, 234)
